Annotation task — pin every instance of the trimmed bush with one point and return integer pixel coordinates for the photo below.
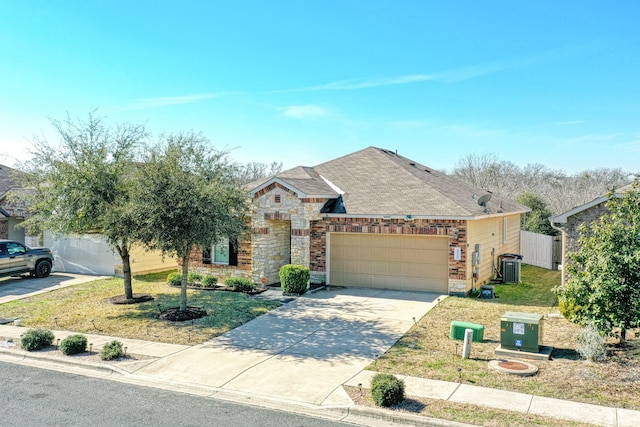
(174, 278)
(387, 390)
(240, 284)
(193, 277)
(294, 278)
(73, 344)
(112, 350)
(37, 339)
(209, 281)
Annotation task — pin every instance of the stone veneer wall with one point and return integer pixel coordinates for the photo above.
(280, 221)
(455, 229)
(571, 232)
(4, 229)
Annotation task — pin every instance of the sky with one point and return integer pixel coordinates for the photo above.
(303, 82)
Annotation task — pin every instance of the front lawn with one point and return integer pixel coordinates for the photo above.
(85, 308)
(427, 351)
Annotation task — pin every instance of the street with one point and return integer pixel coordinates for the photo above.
(38, 397)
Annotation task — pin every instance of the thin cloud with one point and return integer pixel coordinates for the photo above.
(304, 111)
(162, 101)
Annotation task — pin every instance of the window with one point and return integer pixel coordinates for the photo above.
(15, 248)
(505, 230)
(224, 252)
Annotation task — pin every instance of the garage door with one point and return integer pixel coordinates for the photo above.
(388, 261)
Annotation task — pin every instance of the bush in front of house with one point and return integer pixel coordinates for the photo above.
(174, 278)
(112, 350)
(240, 284)
(193, 277)
(73, 344)
(387, 390)
(209, 281)
(294, 278)
(37, 339)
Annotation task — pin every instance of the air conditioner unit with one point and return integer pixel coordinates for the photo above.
(511, 271)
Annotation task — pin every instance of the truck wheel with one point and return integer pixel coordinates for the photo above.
(43, 268)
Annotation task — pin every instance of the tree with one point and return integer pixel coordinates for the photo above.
(189, 198)
(83, 184)
(604, 274)
(254, 171)
(536, 221)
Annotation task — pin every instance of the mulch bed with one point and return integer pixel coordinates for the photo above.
(222, 288)
(137, 299)
(174, 314)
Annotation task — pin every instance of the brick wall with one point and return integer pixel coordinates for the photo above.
(455, 229)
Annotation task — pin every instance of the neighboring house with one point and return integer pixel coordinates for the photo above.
(13, 210)
(372, 218)
(88, 254)
(569, 223)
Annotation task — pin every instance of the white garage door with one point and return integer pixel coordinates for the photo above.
(389, 261)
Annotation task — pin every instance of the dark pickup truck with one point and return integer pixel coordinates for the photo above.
(17, 259)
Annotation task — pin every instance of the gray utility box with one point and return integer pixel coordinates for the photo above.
(521, 331)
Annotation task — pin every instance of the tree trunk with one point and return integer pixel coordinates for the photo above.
(623, 336)
(183, 288)
(123, 251)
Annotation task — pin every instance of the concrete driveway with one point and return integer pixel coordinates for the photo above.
(12, 288)
(304, 350)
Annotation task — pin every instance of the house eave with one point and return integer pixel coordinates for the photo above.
(422, 217)
(301, 194)
(563, 217)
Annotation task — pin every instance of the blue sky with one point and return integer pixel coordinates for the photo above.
(302, 82)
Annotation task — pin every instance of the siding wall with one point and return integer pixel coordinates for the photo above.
(489, 234)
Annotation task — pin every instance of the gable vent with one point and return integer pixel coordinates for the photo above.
(276, 198)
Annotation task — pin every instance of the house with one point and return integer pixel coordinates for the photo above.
(372, 218)
(86, 254)
(13, 210)
(569, 223)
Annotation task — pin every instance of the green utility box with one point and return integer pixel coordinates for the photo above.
(458, 327)
(521, 331)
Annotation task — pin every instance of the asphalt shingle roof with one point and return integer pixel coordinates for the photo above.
(375, 181)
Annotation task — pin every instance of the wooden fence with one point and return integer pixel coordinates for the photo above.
(541, 250)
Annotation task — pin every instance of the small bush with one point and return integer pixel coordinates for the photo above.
(240, 284)
(209, 281)
(387, 390)
(294, 278)
(174, 278)
(194, 277)
(591, 344)
(73, 344)
(37, 339)
(112, 350)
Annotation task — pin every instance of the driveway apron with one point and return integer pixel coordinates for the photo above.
(304, 350)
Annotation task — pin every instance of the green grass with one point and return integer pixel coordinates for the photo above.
(85, 308)
(427, 351)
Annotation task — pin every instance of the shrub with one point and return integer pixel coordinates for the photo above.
(193, 277)
(387, 390)
(209, 281)
(174, 278)
(73, 344)
(240, 284)
(591, 344)
(294, 278)
(37, 339)
(112, 350)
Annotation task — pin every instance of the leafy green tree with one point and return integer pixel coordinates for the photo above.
(604, 274)
(83, 183)
(190, 198)
(536, 221)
